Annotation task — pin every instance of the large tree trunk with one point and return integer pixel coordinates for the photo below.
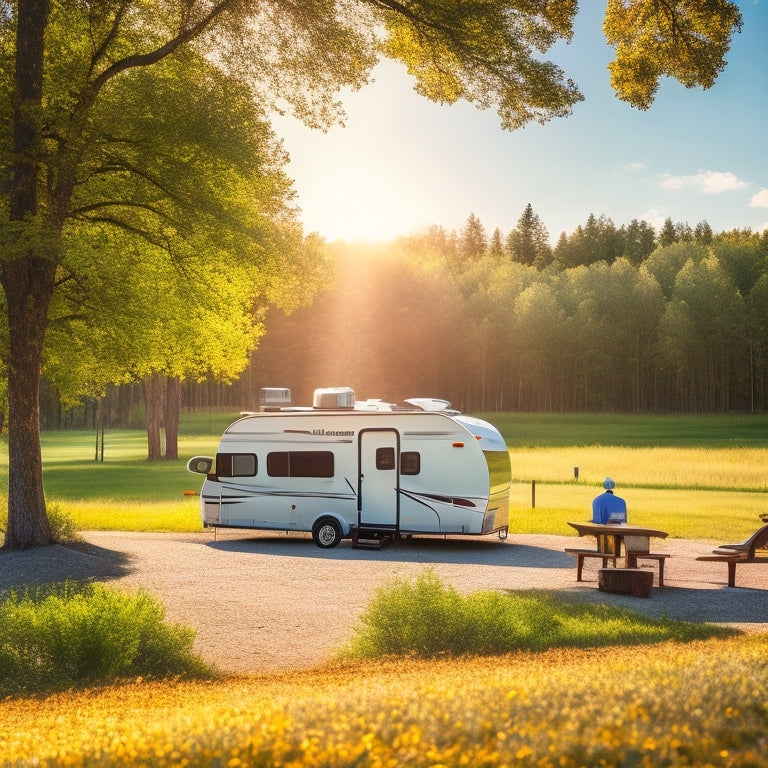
(27, 277)
(154, 392)
(28, 284)
(162, 403)
(172, 410)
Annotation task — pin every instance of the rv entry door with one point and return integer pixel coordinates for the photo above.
(379, 477)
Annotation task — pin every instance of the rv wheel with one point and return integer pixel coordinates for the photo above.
(326, 533)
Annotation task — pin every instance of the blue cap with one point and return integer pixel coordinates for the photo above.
(608, 484)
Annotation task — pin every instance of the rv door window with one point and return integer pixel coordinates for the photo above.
(410, 463)
(235, 464)
(385, 458)
(300, 464)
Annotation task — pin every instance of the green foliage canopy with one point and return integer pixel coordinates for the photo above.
(684, 39)
(179, 231)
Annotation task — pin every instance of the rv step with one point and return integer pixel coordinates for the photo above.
(370, 538)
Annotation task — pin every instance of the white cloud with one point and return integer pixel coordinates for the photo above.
(760, 200)
(654, 217)
(708, 182)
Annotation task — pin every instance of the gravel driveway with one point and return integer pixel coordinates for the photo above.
(262, 601)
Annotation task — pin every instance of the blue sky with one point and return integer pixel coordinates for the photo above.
(402, 163)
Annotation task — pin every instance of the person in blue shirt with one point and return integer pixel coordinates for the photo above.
(607, 507)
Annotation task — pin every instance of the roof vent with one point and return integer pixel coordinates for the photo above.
(331, 398)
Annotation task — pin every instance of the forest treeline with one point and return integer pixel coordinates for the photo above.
(611, 319)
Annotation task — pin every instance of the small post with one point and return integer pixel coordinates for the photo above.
(533, 494)
(99, 443)
(576, 473)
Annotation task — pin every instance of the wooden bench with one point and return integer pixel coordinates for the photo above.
(580, 554)
(732, 559)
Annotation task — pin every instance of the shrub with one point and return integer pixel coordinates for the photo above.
(72, 634)
(63, 526)
(425, 618)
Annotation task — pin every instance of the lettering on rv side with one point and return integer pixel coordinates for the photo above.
(333, 433)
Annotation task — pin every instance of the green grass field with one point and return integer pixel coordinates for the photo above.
(693, 476)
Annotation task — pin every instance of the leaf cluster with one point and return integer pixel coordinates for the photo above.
(485, 53)
(684, 39)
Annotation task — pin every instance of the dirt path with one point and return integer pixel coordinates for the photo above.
(267, 602)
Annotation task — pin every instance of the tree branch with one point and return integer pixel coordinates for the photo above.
(142, 233)
(85, 209)
(146, 59)
(110, 36)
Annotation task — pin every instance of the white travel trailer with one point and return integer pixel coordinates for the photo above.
(362, 470)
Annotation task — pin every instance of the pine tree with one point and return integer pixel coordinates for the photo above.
(496, 248)
(473, 243)
(668, 234)
(528, 243)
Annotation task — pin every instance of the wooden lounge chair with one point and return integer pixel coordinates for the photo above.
(749, 551)
(758, 540)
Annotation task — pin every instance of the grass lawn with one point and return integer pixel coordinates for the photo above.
(693, 476)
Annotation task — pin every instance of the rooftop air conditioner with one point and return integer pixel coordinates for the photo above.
(272, 398)
(334, 397)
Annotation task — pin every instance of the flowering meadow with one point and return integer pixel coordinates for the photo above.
(702, 703)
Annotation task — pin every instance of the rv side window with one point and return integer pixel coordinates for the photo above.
(410, 463)
(235, 464)
(385, 458)
(300, 464)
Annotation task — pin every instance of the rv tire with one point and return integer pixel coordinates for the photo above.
(326, 533)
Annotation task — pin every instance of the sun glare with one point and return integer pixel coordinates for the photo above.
(370, 213)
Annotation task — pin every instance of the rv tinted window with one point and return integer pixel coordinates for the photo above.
(235, 464)
(300, 464)
(410, 463)
(385, 458)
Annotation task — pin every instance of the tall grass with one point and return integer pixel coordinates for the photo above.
(72, 635)
(712, 515)
(668, 704)
(178, 516)
(680, 468)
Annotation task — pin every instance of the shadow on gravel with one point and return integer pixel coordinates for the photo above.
(78, 562)
(736, 605)
(490, 551)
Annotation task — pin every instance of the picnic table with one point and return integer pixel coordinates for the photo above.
(611, 537)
